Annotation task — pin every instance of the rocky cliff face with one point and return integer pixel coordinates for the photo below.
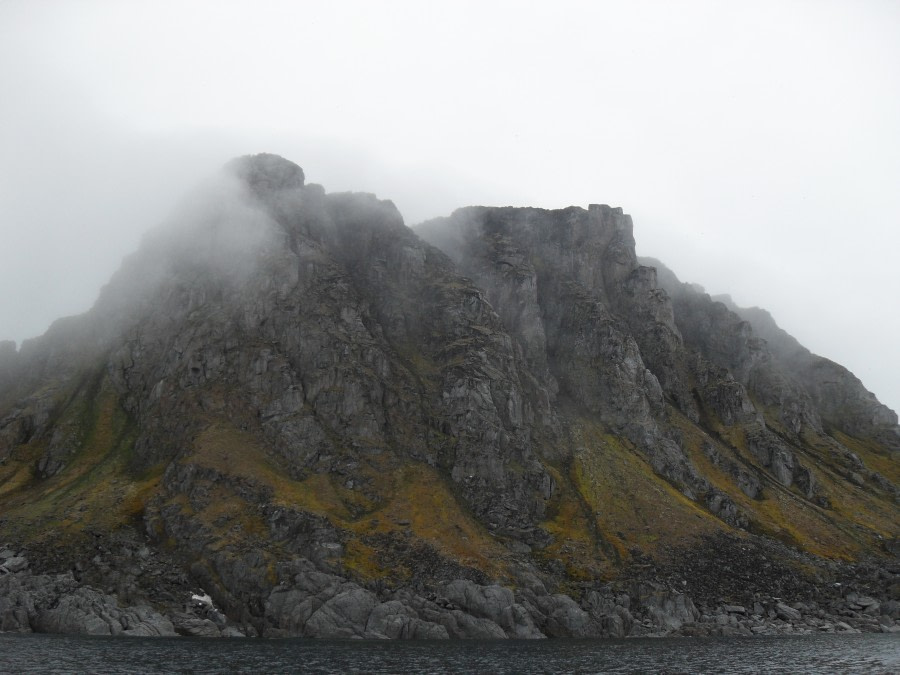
(492, 426)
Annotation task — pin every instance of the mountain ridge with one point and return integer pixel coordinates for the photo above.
(493, 425)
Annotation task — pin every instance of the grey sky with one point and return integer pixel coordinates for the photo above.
(757, 145)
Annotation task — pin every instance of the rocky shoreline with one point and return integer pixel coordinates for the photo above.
(321, 605)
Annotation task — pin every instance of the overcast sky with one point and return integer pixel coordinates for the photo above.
(756, 144)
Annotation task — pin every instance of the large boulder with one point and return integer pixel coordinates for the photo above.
(566, 619)
(344, 615)
(395, 620)
(494, 603)
(668, 610)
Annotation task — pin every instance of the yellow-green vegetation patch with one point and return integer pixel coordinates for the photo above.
(232, 519)
(231, 451)
(632, 505)
(363, 560)
(420, 365)
(693, 440)
(421, 502)
(861, 513)
(873, 455)
(94, 488)
(577, 542)
(735, 437)
(786, 514)
(857, 514)
(399, 497)
(18, 469)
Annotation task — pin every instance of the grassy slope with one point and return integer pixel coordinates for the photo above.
(401, 497)
(95, 491)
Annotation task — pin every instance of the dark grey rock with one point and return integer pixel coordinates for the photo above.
(395, 620)
(58, 604)
(16, 605)
(89, 612)
(787, 613)
(667, 610)
(458, 624)
(14, 564)
(495, 603)
(564, 618)
(195, 626)
(344, 615)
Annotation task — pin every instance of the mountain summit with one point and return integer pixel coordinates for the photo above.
(499, 424)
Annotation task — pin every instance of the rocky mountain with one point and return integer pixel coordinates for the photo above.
(499, 424)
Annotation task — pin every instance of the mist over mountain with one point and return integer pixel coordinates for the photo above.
(502, 423)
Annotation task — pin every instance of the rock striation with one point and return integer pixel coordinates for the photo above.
(501, 424)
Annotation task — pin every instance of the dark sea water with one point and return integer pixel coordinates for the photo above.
(865, 653)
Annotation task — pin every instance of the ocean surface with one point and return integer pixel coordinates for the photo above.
(864, 653)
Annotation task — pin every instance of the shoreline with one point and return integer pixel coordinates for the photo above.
(59, 604)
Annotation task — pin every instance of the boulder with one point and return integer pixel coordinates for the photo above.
(612, 614)
(786, 613)
(461, 625)
(566, 619)
(669, 611)
(57, 604)
(194, 626)
(495, 603)
(16, 606)
(145, 622)
(14, 564)
(344, 615)
(891, 608)
(395, 620)
(87, 611)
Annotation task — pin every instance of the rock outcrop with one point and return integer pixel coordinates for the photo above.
(58, 604)
(499, 424)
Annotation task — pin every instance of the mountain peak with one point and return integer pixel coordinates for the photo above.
(265, 172)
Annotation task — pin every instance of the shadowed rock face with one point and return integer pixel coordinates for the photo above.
(341, 427)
